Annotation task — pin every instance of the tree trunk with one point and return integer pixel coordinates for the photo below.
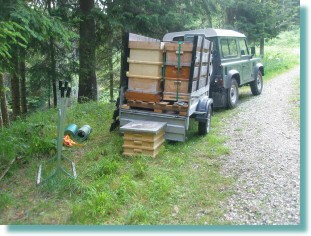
(111, 73)
(49, 101)
(87, 47)
(262, 39)
(1, 122)
(22, 68)
(53, 71)
(3, 102)
(262, 47)
(52, 61)
(15, 88)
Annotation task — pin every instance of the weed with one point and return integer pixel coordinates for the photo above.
(138, 215)
(5, 200)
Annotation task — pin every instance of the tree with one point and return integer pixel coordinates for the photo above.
(22, 70)
(4, 109)
(15, 84)
(87, 48)
(259, 20)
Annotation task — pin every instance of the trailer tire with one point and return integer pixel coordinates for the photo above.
(257, 84)
(233, 94)
(204, 127)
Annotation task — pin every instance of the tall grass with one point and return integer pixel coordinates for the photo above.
(282, 53)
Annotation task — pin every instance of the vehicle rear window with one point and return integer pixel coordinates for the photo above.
(229, 48)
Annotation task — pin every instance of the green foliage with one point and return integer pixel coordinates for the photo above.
(5, 200)
(282, 53)
(28, 138)
(10, 34)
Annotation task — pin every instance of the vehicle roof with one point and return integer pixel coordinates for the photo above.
(207, 32)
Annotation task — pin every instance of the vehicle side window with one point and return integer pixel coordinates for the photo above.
(224, 47)
(179, 38)
(243, 47)
(229, 48)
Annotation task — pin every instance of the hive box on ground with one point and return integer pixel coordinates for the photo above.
(143, 137)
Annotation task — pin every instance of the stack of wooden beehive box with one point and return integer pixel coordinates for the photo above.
(145, 71)
(179, 57)
(143, 137)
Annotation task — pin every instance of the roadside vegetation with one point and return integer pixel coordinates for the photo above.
(182, 185)
(282, 53)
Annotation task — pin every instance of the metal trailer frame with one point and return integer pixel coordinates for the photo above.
(176, 125)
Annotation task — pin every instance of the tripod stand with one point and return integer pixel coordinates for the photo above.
(59, 168)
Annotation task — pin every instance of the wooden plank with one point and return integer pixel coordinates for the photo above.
(173, 46)
(125, 106)
(149, 45)
(146, 97)
(172, 97)
(137, 37)
(140, 104)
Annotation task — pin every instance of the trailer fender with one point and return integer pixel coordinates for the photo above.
(258, 67)
(202, 109)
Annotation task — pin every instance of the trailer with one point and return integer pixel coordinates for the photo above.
(166, 82)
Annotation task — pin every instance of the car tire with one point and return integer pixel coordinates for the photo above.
(205, 127)
(257, 84)
(233, 94)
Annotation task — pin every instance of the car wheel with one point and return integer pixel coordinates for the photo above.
(257, 84)
(233, 94)
(204, 127)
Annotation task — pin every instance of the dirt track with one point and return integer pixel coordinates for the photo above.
(265, 159)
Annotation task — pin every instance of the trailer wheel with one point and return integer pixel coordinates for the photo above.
(257, 84)
(204, 127)
(233, 94)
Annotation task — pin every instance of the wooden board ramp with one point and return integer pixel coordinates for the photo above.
(159, 107)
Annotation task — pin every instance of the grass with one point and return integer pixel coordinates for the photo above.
(282, 53)
(183, 185)
(174, 188)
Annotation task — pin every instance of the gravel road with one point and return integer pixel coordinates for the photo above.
(265, 157)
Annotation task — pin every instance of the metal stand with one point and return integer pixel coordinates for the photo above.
(60, 135)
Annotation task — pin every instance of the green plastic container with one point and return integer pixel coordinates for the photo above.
(83, 133)
(71, 130)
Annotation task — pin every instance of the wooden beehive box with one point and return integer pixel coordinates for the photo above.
(145, 84)
(144, 69)
(184, 72)
(146, 60)
(178, 52)
(143, 137)
(145, 66)
(173, 85)
(146, 51)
